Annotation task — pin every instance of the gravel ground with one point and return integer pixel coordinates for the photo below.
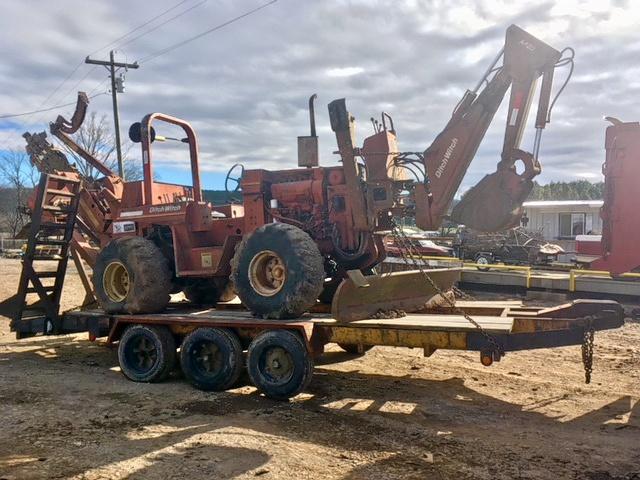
(67, 412)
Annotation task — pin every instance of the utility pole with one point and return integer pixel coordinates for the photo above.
(116, 86)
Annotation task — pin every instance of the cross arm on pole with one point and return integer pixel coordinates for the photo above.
(108, 63)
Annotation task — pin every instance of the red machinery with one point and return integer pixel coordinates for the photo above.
(620, 213)
(298, 227)
(495, 203)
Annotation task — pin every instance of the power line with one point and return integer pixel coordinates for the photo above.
(131, 40)
(61, 84)
(153, 29)
(72, 89)
(144, 59)
(112, 64)
(13, 115)
(98, 86)
(75, 86)
(59, 99)
(206, 32)
(90, 95)
(75, 69)
(162, 14)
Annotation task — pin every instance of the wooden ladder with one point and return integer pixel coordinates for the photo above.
(52, 222)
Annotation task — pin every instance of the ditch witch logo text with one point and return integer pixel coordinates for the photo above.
(447, 157)
(165, 209)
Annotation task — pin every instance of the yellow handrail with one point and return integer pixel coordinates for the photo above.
(500, 266)
(574, 274)
(442, 259)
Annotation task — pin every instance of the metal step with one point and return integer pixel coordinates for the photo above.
(34, 318)
(60, 193)
(48, 288)
(33, 313)
(48, 274)
(54, 257)
(63, 179)
(51, 242)
(56, 208)
(61, 226)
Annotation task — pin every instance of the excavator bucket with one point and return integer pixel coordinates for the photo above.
(366, 296)
(494, 204)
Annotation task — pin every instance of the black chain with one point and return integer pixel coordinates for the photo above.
(587, 348)
(409, 256)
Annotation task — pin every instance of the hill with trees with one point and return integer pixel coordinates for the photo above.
(576, 190)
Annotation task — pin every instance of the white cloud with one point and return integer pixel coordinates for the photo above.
(11, 139)
(593, 176)
(344, 72)
(245, 87)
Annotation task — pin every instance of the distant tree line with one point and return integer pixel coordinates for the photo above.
(576, 190)
(220, 197)
(18, 177)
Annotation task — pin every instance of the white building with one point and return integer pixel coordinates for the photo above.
(561, 220)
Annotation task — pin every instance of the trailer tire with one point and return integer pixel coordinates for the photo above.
(146, 353)
(131, 275)
(278, 271)
(209, 292)
(279, 364)
(207, 368)
(482, 261)
(354, 348)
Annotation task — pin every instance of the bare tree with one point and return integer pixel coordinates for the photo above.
(17, 178)
(96, 137)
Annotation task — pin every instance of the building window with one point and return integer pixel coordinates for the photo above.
(572, 224)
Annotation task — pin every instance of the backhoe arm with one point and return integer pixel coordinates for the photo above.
(496, 202)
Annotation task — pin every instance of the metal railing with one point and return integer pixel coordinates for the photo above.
(574, 274)
(500, 266)
(11, 243)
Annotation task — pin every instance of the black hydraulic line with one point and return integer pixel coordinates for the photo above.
(561, 63)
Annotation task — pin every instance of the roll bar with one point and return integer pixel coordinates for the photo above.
(147, 165)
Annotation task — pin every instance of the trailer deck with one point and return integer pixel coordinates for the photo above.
(534, 327)
(279, 353)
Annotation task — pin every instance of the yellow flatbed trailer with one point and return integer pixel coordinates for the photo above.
(216, 343)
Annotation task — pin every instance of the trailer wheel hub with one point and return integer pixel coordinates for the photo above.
(267, 273)
(278, 365)
(116, 281)
(144, 354)
(208, 357)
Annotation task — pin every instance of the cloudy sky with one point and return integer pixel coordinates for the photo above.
(245, 87)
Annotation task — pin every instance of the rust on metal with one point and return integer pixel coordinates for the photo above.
(399, 291)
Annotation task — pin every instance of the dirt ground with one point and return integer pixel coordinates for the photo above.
(67, 412)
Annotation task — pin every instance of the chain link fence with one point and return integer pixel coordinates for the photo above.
(10, 247)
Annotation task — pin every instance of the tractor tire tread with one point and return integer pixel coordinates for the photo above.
(307, 259)
(151, 282)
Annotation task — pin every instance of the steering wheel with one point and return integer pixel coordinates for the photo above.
(234, 176)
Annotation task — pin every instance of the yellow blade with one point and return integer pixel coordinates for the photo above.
(408, 291)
